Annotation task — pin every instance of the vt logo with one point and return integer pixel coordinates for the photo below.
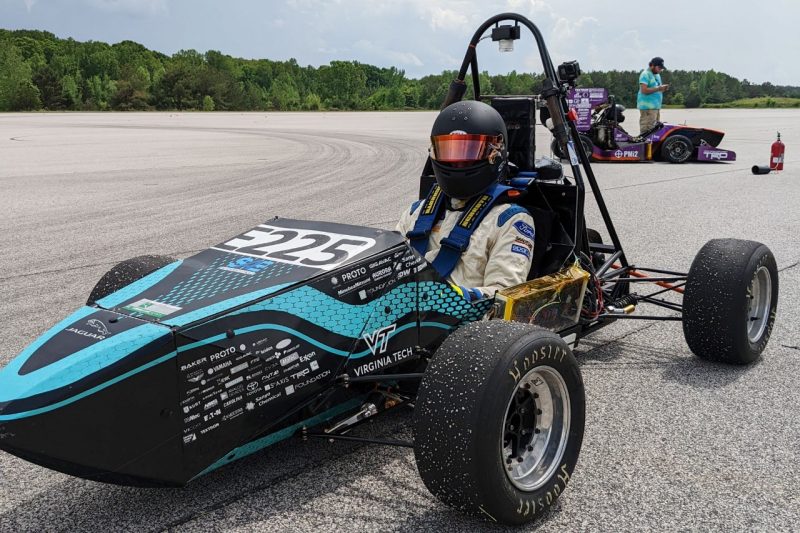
(378, 340)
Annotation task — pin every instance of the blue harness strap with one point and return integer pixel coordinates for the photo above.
(458, 241)
(429, 213)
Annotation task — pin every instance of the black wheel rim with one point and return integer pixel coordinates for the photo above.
(535, 428)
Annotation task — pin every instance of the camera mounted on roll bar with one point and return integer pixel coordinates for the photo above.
(568, 72)
(505, 35)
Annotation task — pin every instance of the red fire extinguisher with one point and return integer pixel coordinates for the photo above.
(776, 154)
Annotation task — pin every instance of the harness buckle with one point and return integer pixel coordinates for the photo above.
(459, 245)
(418, 234)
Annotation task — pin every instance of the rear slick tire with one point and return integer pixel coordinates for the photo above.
(730, 301)
(499, 421)
(588, 147)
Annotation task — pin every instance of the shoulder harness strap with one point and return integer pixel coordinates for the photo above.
(458, 241)
(429, 213)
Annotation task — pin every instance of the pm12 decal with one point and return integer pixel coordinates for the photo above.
(309, 248)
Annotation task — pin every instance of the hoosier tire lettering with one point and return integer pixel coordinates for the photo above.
(487, 392)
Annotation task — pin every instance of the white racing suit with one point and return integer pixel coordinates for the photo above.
(500, 250)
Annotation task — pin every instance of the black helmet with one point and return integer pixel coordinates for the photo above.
(618, 116)
(468, 148)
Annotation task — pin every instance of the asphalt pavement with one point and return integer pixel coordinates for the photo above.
(671, 442)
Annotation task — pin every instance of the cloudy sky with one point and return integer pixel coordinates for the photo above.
(754, 40)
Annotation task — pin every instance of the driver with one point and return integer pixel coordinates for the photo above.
(467, 226)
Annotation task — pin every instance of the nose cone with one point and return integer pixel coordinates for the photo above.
(95, 397)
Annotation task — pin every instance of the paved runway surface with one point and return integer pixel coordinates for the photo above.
(671, 442)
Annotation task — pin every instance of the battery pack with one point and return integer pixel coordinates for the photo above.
(552, 302)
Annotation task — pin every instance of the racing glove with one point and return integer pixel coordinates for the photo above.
(469, 294)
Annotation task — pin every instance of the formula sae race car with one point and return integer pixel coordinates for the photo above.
(598, 118)
(175, 368)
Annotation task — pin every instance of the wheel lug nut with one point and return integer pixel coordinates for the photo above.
(535, 395)
(530, 448)
(519, 459)
(537, 431)
(538, 411)
(527, 385)
(508, 460)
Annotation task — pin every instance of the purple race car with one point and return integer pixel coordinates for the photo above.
(598, 121)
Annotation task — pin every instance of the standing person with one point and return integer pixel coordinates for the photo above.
(650, 95)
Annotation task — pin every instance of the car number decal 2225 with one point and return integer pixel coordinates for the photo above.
(309, 248)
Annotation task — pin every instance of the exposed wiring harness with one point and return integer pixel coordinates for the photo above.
(593, 304)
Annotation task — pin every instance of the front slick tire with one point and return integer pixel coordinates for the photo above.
(499, 419)
(730, 301)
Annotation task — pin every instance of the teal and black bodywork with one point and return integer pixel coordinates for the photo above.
(210, 358)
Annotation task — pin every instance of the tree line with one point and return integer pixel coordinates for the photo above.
(40, 71)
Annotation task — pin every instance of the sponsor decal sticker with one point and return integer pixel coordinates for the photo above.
(378, 340)
(191, 407)
(222, 354)
(524, 242)
(151, 308)
(195, 375)
(99, 326)
(209, 428)
(211, 404)
(521, 250)
(525, 229)
(309, 381)
(291, 358)
(189, 366)
(356, 285)
(212, 415)
(308, 357)
(239, 368)
(247, 265)
(383, 361)
(216, 368)
(236, 381)
(382, 273)
(283, 344)
(354, 274)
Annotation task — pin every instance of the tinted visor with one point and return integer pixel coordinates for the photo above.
(464, 148)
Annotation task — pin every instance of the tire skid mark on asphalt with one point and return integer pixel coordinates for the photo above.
(343, 481)
(353, 448)
(655, 182)
(581, 356)
(176, 254)
(789, 267)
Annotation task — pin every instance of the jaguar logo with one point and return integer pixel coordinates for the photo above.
(98, 325)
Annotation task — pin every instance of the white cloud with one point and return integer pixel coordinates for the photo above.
(132, 7)
(399, 59)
